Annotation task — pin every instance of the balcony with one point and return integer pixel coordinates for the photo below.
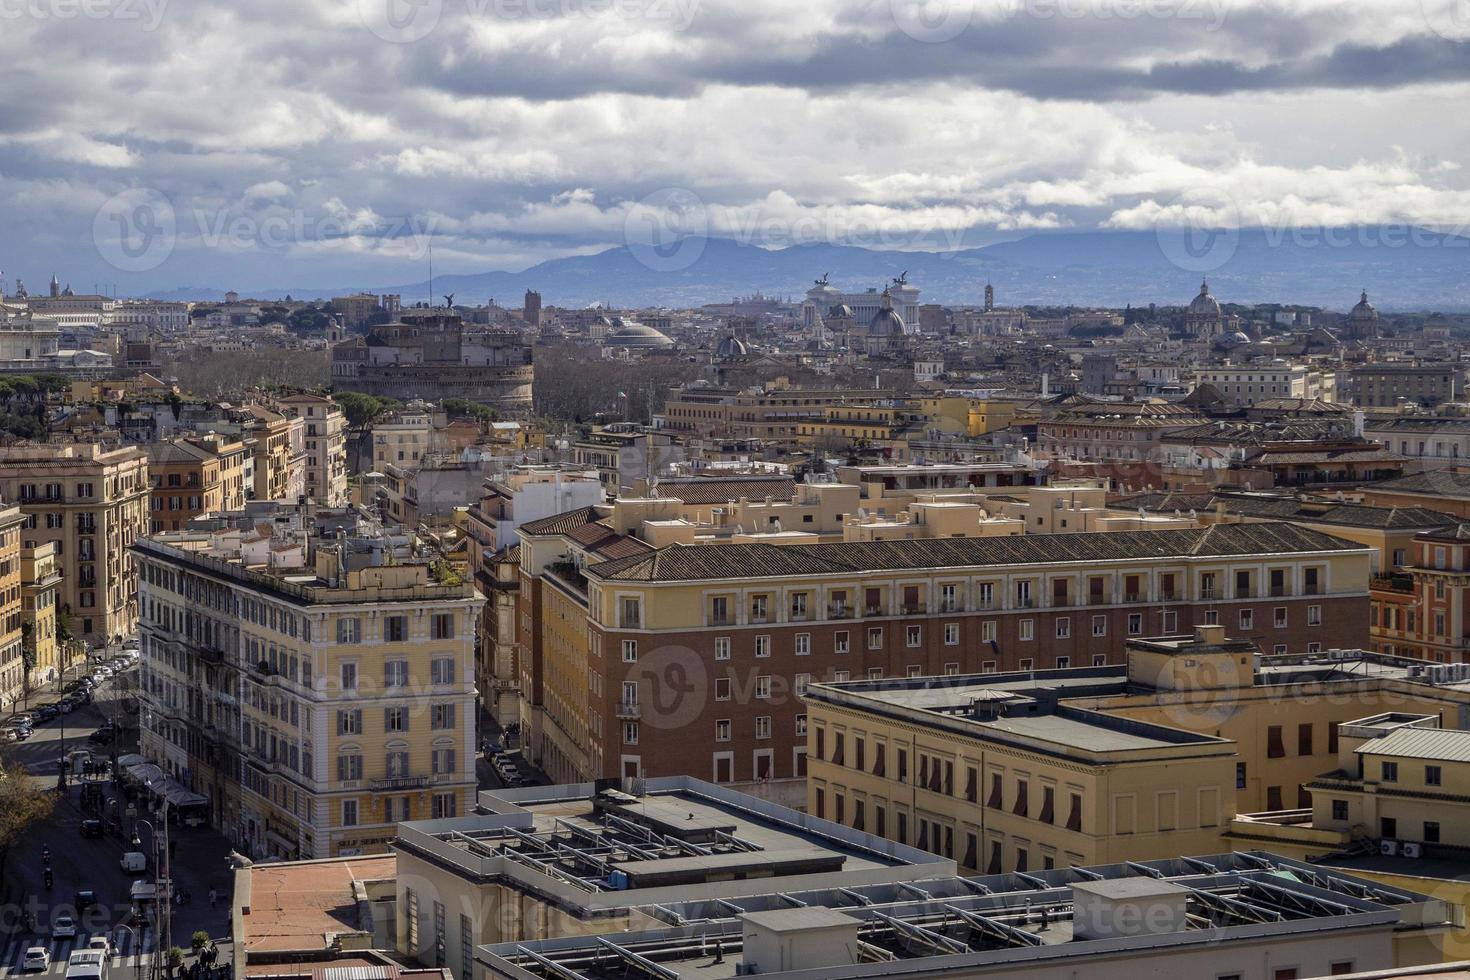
(1026, 603)
(1393, 583)
(839, 612)
(629, 711)
(1099, 600)
(915, 609)
(398, 783)
(1208, 595)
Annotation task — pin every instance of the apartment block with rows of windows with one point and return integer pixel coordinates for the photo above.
(1008, 781)
(93, 503)
(314, 704)
(696, 658)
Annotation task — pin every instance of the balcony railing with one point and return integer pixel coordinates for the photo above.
(1393, 583)
(839, 612)
(629, 711)
(398, 782)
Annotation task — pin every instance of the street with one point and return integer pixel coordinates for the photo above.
(91, 864)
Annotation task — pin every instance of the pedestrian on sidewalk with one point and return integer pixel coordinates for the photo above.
(213, 895)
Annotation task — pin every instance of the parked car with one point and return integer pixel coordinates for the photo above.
(37, 959)
(102, 943)
(47, 711)
(91, 828)
(86, 898)
(63, 926)
(134, 862)
(102, 735)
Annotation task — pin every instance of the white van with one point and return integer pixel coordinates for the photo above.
(86, 964)
(134, 862)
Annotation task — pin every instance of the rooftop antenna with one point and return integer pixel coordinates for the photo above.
(431, 271)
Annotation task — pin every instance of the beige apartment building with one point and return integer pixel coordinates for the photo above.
(314, 707)
(194, 477)
(1003, 781)
(40, 580)
(326, 446)
(12, 666)
(279, 448)
(92, 502)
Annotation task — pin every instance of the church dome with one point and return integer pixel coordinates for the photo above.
(840, 311)
(634, 334)
(886, 323)
(1364, 310)
(731, 346)
(1204, 304)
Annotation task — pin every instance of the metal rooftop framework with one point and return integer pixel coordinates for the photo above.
(595, 853)
(960, 917)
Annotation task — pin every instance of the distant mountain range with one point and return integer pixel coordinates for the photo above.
(1402, 269)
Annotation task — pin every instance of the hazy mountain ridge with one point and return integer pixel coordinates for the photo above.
(1402, 269)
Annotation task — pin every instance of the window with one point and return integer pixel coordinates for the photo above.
(758, 607)
(349, 767)
(349, 630)
(1390, 772)
(875, 638)
(719, 611)
(1240, 775)
(1339, 809)
(914, 636)
(1063, 663)
(349, 677)
(1279, 617)
(763, 726)
(1275, 747)
(722, 688)
(1099, 626)
(803, 644)
(1388, 827)
(349, 722)
(1028, 629)
(801, 724)
(1026, 663)
(395, 629)
(1314, 615)
(1304, 739)
(722, 648)
(1247, 619)
(632, 613)
(441, 760)
(798, 607)
(763, 687)
(442, 717)
(1432, 776)
(630, 733)
(987, 631)
(630, 651)
(395, 673)
(800, 684)
(951, 634)
(840, 642)
(441, 670)
(1135, 624)
(395, 719)
(442, 627)
(763, 646)
(349, 813)
(722, 730)
(1431, 832)
(1064, 627)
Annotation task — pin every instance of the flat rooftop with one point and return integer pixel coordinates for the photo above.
(1018, 709)
(301, 905)
(972, 926)
(593, 848)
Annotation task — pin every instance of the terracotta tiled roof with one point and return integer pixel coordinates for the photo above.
(680, 563)
(1437, 483)
(561, 523)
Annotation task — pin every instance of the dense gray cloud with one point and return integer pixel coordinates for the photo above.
(325, 142)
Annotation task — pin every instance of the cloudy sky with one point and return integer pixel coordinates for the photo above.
(277, 143)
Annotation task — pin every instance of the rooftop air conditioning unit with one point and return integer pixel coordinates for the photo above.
(1412, 850)
(1388, 847)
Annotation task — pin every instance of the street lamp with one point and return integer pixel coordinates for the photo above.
(137, 950)
(162, 876)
